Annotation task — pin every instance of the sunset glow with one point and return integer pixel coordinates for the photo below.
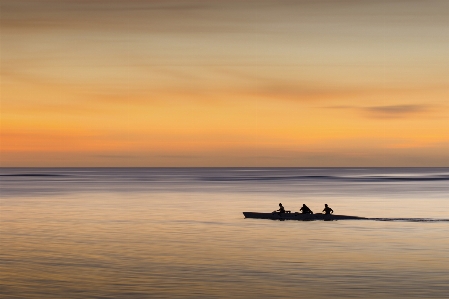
(224, 83)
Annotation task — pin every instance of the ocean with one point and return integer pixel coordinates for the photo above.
(180, 233)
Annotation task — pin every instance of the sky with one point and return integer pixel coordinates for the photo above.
(183, 83)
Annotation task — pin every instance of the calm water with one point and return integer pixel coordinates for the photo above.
(180, 233)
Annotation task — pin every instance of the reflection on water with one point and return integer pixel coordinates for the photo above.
(176, 233)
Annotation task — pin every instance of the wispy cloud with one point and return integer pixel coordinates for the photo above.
(387, 111)
(395, 111)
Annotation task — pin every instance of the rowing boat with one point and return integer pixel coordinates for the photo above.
(299, 216)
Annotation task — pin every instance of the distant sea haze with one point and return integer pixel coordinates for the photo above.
(180, 233)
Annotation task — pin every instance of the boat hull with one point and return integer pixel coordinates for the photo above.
(298, 216)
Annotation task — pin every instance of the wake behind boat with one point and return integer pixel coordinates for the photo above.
(299, 216)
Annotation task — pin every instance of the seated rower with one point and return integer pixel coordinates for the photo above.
(327, 210)
(281, 209)
(305, 209)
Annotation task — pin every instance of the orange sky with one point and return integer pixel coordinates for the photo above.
(224, 83)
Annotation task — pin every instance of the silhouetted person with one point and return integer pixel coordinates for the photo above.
(305, 209)
(327, 210)
(281, 209)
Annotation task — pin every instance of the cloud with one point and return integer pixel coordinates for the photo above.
(200, 15)
(395, 111)
(387, 111)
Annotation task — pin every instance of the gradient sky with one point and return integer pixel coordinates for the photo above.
(224, 83)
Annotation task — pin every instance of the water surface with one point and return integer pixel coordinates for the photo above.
(180, 233)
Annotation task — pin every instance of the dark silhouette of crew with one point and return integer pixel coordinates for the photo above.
(281, 209)
(327, 210)
(305, 209)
